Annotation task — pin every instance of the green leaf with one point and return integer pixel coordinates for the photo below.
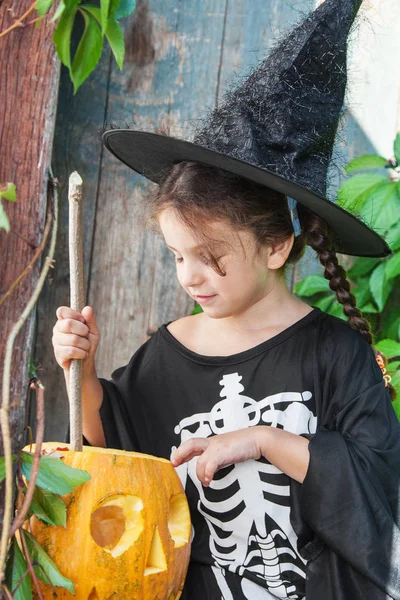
(197, 309)
(104, 14)
(88, 52)
(325, 302)
(380, 287)
(115, 37)
(397, 147)
(362, 292)
(8, 191)
(362, 266)
(396, 403)
(114, 34)
(391, 324)
(313, 284)
(392, 366)
(48, 507)
(16, 571)
(60, 10)
(114, 6)
(337, 311)
(3, 466)
(62, 36)
(368, 161)
(369, 308)
(42, 6)
(393, 237)
(44, 567)
(390, 348)
(4, 222)
(353, 192)
(126, 8)
(395, 381)
(382, 207)
(32, 369)
(54, 475)
(393, 266)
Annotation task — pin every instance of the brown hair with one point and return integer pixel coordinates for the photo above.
(200, 193)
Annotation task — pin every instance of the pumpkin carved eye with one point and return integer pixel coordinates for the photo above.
(117, 523)
(178, 520)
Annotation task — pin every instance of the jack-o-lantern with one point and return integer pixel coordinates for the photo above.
(128, 528)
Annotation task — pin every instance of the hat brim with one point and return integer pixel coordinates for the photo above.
(150, 154)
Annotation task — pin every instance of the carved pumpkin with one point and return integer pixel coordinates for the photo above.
(128, 528)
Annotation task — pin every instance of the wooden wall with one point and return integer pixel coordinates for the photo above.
(29, 75)
(181, 57)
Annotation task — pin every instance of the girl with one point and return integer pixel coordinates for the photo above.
(275, 415)
(241, 388)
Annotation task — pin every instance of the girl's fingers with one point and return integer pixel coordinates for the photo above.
(65, 312)
(67, 353)
(72, 326)
(206, 468)
(70, 339)
(189, 449)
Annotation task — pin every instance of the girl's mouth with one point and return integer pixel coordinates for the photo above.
(204, 299)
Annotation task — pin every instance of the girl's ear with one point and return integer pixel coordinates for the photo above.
(278, 253)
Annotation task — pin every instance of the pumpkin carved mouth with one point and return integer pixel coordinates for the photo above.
(117, 523)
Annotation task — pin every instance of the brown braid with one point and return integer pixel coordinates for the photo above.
(318, 238)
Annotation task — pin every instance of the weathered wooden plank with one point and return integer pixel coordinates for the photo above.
(133, 285)
(76, 147)
(249, 36)
(251, 31)
(29, 72)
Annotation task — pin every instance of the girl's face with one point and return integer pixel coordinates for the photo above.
(251, 274)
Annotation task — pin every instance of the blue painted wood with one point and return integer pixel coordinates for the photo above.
(76, 147)
(251, 31)
(169, 91)
(181, 57)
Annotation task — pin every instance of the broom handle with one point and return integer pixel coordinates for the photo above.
(77, 303)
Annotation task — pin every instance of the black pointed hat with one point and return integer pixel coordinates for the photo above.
(277, 128)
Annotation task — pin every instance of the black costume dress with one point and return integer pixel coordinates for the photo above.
(257, 533)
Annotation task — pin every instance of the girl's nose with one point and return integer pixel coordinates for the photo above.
(190, 274)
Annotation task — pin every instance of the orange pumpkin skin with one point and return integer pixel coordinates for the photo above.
(128, 529)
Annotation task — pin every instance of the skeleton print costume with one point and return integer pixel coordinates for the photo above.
(258, 534)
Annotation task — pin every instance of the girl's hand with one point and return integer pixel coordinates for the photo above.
(75, 335)
(219, 451)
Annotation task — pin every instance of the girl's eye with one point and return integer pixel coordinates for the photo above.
(178, 259)
(206, 260)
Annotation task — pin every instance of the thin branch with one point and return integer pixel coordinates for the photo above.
(20, 582)
(5, 408)
(7, 592)
(38, 252)
(20, 518)
(32, 22)
(30, 565)
(18, 22)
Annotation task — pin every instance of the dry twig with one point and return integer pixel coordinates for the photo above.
(23, 511)
(5, 407)
(38, 252)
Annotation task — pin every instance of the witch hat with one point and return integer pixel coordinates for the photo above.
(277, 128)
